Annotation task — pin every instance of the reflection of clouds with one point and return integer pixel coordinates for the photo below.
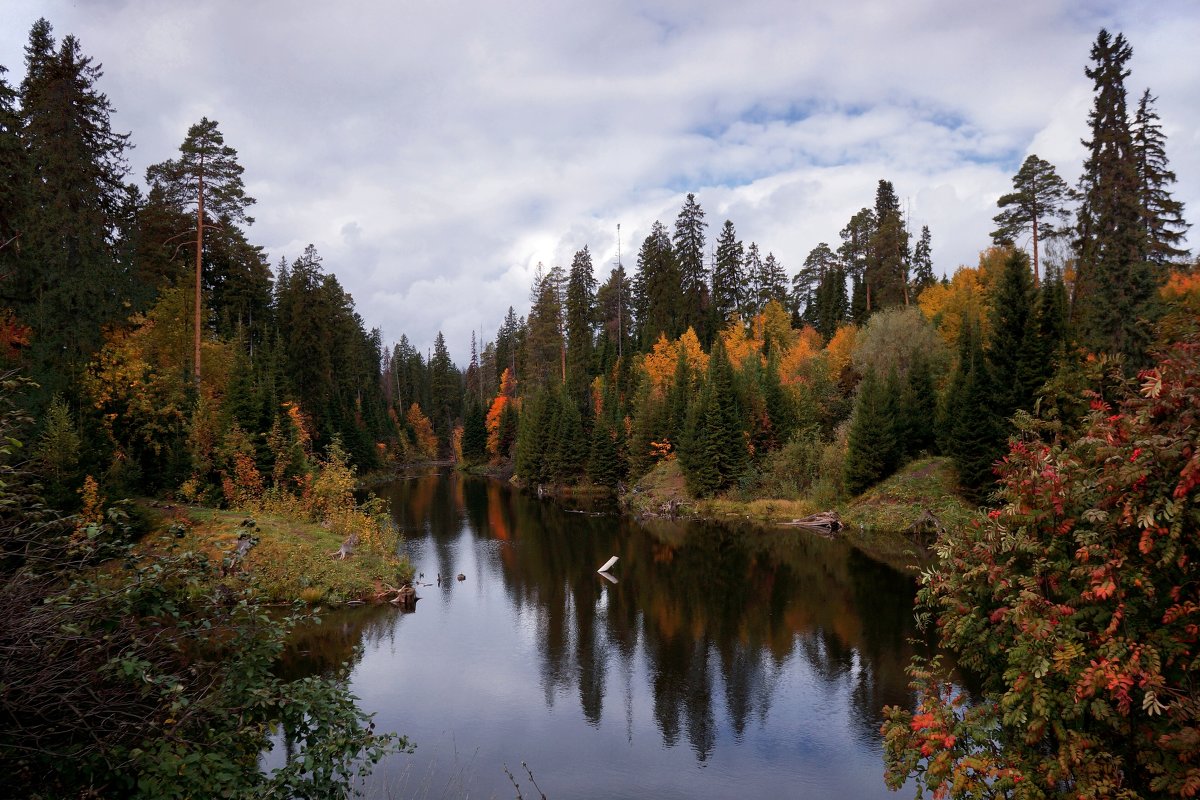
(749, 651)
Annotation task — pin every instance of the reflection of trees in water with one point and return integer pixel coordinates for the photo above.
(718, 611)
(323, 649)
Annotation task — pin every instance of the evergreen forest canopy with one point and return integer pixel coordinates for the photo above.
(166, 357)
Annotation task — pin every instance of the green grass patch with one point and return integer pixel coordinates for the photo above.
(291, 561)
(928, 484)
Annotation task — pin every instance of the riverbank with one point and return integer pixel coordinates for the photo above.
(892, 521)
(288, 561)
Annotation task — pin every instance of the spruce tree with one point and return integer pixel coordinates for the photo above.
(887, 260)
(715, 452)
(1011, 317)
(871, 446)
(917, 409)
(74, 165)
(474, 438)
(689, 249)
(773, 283)
(1037, 200)
(922, 271)
(1115, 283)
(969, 426)
(1162, 214)
(753, 277)
(727, 277)
(580, 325)
(657, 288)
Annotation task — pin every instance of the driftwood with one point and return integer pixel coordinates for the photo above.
(347, 548)
(827, 521)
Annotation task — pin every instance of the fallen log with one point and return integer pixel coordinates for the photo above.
(827, 521)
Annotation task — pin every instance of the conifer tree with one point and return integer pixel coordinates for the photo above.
(14, 182)
(693, 275)
(773, 283)
(1162, 214)
(752, 290)
(580, 324)
(1115, 284)
(474, 439)
(75, 169)
(1037, 200)
(715, 454)
(568, 445)
(922, 271)
(1011, 317)
(728, 280)
(657, 288)
(887, 262)
(855, 255)
(207, 174)
(968, 424)
(917, 409)
(445, 389)
(871, 446)
(832, 304)
(807, 283)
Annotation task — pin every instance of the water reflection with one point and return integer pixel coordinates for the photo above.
(764, 656)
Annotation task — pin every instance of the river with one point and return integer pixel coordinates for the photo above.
(724, 661)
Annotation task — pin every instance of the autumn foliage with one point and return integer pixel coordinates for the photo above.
(1076, 599)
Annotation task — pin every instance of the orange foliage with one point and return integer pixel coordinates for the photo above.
(774, 327)
(841, 348)
(423, 434)
(807, 345)
(1183, 289)
(13, 335)
(508, 385)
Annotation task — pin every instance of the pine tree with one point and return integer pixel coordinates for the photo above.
(569, 443)
(1115, 284)
(727, 277)
(806, 284)
(445, 389)
(1037, 199)
(1162, 214)
(693, 275)
(832, 304)
(206, 173)
(855, 255)
(922, 273)
(545, 343)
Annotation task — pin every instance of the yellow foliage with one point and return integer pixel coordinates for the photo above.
(91, 515)
(773, 328)
(841, 348)
(945, 306)
(659, 364)
(738, 346)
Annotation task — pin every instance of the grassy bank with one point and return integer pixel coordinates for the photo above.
(877, 521)
(291, 560)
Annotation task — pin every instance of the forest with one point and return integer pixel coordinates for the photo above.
(148, 348)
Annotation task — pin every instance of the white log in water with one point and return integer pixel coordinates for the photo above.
(612, 562)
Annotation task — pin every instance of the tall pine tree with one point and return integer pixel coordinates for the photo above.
(1162, 214)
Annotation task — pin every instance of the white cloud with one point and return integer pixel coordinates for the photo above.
(435, 152)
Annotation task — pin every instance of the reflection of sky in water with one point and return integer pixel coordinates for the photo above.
(535, 663)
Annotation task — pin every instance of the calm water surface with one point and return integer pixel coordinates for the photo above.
(724, 662)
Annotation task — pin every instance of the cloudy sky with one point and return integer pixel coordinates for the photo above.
(436, 151)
